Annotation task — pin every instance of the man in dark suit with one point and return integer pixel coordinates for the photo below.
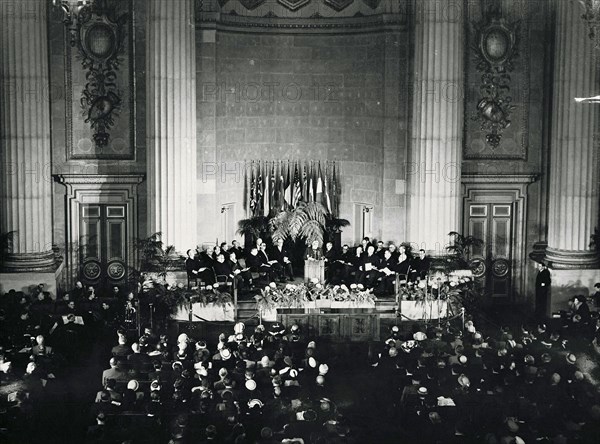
(420, 266)
(271, 262)
(387, 267)
(235, 248)
(205, 261)
(240, 272)
(332, 267)
(369, 268)
(223, 268)
(346, 261)
(282, 256)
(542, 288)
(257, 264)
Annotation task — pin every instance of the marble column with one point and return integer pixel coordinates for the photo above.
(26, 195)
(434, 169)
(171, 122)
(573, 194)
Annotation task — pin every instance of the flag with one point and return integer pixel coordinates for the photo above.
(319, 192)
(273, 188)
(326, 182)
(259, 192)
(334, 192)
(311, 187)
(267, 193)
(252, 199)
(297, 189)
(289, 185)
(282, 187)
(304, 184)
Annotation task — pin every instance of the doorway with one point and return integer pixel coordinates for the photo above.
(103, 246)
(495, 211)
(493, 224)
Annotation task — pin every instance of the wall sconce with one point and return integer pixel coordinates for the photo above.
(367, 209)
(71, 10)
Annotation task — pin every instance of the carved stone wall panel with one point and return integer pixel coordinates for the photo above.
(82, 141)
(302, 9)
(511, 141)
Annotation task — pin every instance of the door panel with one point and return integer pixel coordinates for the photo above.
(103, 244)
(492, 261)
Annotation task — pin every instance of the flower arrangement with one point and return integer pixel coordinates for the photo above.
(172, 297)
(300, 295)
(438, 286)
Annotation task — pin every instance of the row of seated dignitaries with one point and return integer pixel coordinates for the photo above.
(373, 265)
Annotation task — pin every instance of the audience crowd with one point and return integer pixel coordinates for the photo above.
(435, 383)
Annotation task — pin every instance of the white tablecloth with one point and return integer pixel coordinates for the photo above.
(209, 312)
(424, 310)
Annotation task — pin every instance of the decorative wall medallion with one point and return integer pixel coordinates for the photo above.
(500, 267)
(477, 266)
(294, 5)
(251, 4)
(495, 48)
(338, 5)
(99, 38)
(373, 4)
(116, 270)
(91, 270)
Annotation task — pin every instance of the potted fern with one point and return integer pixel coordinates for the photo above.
(460, 250)
(154, 259)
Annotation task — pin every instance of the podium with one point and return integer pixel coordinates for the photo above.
(314, 269)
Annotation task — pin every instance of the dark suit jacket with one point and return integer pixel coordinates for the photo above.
(278, 255)
(543, 277)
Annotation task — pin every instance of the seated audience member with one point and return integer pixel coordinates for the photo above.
(242, 274)
(403, 264)
(580, 311)
(356, 267)
(78, 293)
(235, 248)
(365, 243)
(380, 249)
(394, 250)
(314, 252)
(205, 262)
(192, 265)
(223, 269)
(121, 350)
(369, 268)
(420, 266)
(332, 266)
(282, 256)
(257, 264)
(271, 262)
(115, 372)
(346, 264)
(387, 267)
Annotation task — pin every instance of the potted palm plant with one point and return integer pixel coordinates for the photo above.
(460, 250)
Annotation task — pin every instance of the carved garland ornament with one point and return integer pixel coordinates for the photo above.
(495, 48)
(99, 38)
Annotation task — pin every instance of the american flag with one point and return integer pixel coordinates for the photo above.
(297, 192)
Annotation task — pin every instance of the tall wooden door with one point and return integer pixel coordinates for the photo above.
(103, 244)
(492, 262)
